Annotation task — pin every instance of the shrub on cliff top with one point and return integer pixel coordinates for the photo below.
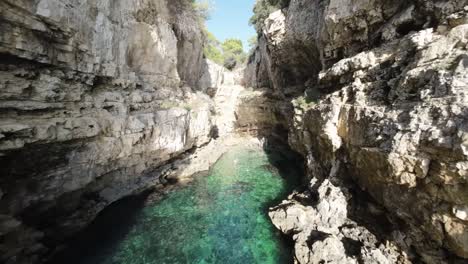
(233, 52)
(203, 8)
(230, 53)
(212, 48)
(262, 9)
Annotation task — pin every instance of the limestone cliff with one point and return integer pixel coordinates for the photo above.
(98, 99)
(104, 99)
(380, 111)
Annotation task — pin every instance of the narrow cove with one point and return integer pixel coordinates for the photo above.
(221, 217)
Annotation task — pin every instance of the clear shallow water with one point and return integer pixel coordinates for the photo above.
(219, 218)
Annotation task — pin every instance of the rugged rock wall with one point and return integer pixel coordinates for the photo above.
(98, 99)
(383, 112)
(259, 112)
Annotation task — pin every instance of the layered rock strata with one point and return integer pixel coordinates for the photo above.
(98, 100)
(379, 96)
(259, 112)
(104, 99)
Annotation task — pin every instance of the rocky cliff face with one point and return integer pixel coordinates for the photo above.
(98, 100)
(104, 99)
(380, 111)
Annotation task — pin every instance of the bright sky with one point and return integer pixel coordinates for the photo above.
(230, 19)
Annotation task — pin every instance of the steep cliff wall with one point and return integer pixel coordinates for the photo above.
(97, 99)
(379, 95)
(104, 99)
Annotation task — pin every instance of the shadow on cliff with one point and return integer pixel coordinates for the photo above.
(96, 242)
(288, 163)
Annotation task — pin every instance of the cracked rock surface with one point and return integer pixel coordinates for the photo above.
(380, 88)
(105, 99)
(98, 100)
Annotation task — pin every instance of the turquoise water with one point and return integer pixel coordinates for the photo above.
(219, 218)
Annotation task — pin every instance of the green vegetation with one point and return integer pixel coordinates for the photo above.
(230, 53)
(308, 100)
(233, 52)
(213, 49)
(233, 46)
(302, 103)
(262, 9)
(203, 8)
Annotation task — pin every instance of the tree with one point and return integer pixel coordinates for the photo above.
(213, 50)
(234, 54)
(214, 54)
(211, 38)
(262, 9)
(233, 46)
(203, 8)
(230, 53)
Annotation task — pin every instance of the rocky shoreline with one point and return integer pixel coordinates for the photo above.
(104, 100)
(378, 91)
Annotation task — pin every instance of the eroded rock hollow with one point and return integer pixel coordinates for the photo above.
(100, 100)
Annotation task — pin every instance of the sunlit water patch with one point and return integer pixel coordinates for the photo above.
(219, 218)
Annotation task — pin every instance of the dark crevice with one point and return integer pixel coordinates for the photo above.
(407, 27)
(352, 247)
(316, 236)
(109, 228)
(8, 60)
